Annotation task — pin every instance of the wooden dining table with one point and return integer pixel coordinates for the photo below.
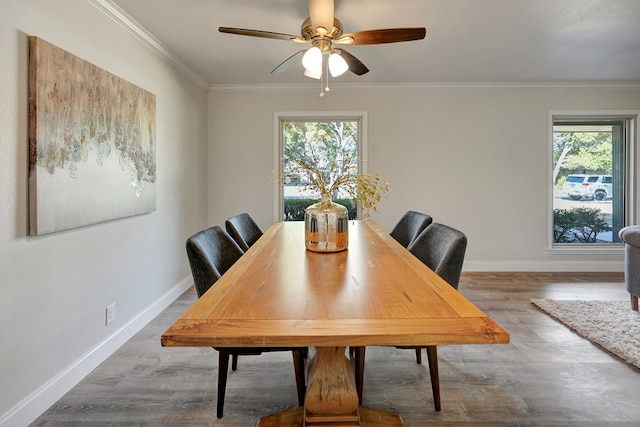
(375, 293)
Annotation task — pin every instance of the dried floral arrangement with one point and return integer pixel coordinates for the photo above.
(330, 171)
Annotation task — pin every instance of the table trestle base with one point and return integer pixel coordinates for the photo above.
(368, 417)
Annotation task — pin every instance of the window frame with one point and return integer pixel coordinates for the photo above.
(280, 116)
(631, 179)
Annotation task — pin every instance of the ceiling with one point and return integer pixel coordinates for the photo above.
(468, 41)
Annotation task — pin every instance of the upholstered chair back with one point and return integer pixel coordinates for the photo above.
(409, 226)
(442, 249)
(211, 253)
(244, 230)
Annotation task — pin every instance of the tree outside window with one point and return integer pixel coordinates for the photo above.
(332, 145)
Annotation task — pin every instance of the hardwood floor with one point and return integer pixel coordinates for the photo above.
(547, 375)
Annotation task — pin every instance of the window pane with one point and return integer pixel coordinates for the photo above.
(332, 146)
(589, 181)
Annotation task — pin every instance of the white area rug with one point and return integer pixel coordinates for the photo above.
(610, 324)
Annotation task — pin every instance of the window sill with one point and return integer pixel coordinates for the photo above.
(587, 249)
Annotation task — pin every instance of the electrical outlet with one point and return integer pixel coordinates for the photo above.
(111, 313)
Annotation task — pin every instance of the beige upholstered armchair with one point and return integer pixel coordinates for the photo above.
(631, 237)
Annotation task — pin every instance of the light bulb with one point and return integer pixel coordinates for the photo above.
(312, 60)
(314, 74)
(337, 65)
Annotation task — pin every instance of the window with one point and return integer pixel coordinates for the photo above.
(337, 139)
(591, 178)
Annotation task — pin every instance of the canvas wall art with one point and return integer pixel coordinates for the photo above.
(92, 143)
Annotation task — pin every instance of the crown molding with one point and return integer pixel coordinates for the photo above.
(417, 86)
(120, 17)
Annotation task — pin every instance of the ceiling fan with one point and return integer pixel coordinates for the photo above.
(322, 30)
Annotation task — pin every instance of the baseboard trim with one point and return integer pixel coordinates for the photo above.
(31, 407)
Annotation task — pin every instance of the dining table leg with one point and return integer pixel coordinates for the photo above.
(332, 398)
(331, 391)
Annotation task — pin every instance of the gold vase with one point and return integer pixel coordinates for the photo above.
(326, 226)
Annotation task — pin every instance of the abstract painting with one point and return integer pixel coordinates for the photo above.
(92, 143)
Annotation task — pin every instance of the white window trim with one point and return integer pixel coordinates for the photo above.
(321, 115)
(633, 160)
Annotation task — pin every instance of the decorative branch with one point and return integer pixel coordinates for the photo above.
(365, 189)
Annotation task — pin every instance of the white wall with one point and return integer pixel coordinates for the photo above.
(473, 157)
(54, 288)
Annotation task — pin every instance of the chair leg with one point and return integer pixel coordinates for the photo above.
(299, 367)
(432, 355)
(223, 367)
(419, 355)
(234, 362)
(359, 353)
(634, 303)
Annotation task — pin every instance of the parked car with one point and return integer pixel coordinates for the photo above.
(597, 187)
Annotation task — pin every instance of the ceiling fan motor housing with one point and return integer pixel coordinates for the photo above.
(310, 33)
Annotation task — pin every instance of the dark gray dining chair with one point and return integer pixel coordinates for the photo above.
(244, 230)
(409, 226)
(442, 249)
(211, 253)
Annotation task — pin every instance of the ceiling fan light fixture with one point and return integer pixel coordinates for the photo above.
(312, 60)
(322, 29)
(337, 65)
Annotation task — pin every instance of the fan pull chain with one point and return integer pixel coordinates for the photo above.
(324, 75)
(326, 71)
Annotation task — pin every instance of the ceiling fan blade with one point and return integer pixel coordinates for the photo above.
(388, 35)
(321, 13)
(355, 66)
(289, 62)
(263, 34)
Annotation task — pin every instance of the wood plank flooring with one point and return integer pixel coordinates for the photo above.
(546, 376)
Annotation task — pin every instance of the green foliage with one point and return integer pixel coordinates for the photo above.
(591, 159)
(563, 221)
(294, 208)
(579, 141)
(322, 151)
(582, 150)
(578, 225)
